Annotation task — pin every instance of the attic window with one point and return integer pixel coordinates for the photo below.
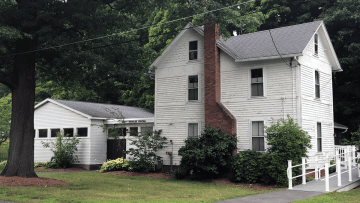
(316, 46)
(317, 84)
(193, 50)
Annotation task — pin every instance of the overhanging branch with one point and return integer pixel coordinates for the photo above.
(7, 79)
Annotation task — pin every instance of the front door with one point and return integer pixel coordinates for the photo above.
(116, 148)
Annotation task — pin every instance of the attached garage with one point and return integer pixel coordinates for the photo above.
(86, 120)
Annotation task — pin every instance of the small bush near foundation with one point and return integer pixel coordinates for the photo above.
(63, 149)
(42, 164)
(119, 164)
(246, 167)
(180, 173)
(286, 141)
(208, 156)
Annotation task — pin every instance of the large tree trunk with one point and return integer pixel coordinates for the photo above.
(21, 151)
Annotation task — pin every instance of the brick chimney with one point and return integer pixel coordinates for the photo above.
(216, 113)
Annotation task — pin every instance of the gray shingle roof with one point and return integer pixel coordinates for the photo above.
(288, 40)
(100, 110)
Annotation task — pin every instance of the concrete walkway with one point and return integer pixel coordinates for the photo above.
(283, 196)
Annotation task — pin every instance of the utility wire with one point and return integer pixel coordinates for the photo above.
(124, 32)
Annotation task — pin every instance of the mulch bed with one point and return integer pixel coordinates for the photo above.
(36, 182)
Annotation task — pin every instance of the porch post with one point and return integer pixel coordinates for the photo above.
(327, 176)
(290, 174)
(338, 168)
(316, 168)
(303, 171)
(349, 164)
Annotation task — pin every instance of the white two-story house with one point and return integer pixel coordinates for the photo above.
(242, 83)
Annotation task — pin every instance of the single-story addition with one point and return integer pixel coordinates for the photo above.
(87, 120)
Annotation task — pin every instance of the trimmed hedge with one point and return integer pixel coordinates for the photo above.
(119, 164)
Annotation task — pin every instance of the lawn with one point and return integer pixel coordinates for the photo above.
(338, 197)
(97, 187)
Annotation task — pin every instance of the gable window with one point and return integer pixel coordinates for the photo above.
(193, 50)
(193, 87)
(316, 44)
(133, 131)
(82, 132)
(54, 132)
(43, 133)
(257, 82)
(193, 130)
(317, 84)
(69, 132)
(258, 137)
(318, 138)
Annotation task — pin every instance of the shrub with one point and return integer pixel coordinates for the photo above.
(354, 139)
(209, 155)
(287, 141)
(119, 164)
(180, 173)
(246, 167)
(143, 157)
(40, 164)
(63, 150)
(3, 163)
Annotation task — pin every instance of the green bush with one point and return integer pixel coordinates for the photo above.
(63, 150)
(180, 173)
(119, 164)
(246, 167)
(287, 141)
(208, 156)
(40, 164)
(143, 157)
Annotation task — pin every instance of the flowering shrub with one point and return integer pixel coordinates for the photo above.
(119, 164)
(3, 163)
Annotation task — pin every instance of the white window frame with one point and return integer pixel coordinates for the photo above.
(264, 81)
(187, 129)
(317, 71)
(250, 136)
(321, 138)
(197, 51)
(187, 88)
(316, 44)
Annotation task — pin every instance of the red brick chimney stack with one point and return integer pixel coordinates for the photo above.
(216, 114)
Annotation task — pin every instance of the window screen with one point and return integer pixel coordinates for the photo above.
(133, 131)
(317, 84)
(193, 50)
(43, 133)
(69, 132)
(319, 141)
(257, 82)
(258, 136)
(54, 132)
(193, 130)
(82, 132)
(193, 87)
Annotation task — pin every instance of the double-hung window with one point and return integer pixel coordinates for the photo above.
(193, 130)
(258, 138)
(257, 82)
(193, 87)
(316, 44)
(317, 84)
(318, 138)
(193, 50)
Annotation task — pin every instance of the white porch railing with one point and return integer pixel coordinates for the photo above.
(344, 156)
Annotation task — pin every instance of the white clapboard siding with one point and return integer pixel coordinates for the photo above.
(279, 100)
(50, 116)
(98, 143)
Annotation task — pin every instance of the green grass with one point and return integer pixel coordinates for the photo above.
(97, 187)
(2, 168)
(338, 197)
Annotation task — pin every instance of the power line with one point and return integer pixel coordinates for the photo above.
(124, 32)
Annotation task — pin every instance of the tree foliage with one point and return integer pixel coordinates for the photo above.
(5, 117)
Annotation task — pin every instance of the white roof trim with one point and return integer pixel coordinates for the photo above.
(64, 106)
(269, 57)
(117, 121)
(173, 42)
(226, 50)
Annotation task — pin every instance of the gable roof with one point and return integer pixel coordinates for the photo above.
(290, 41)
(100, 111)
